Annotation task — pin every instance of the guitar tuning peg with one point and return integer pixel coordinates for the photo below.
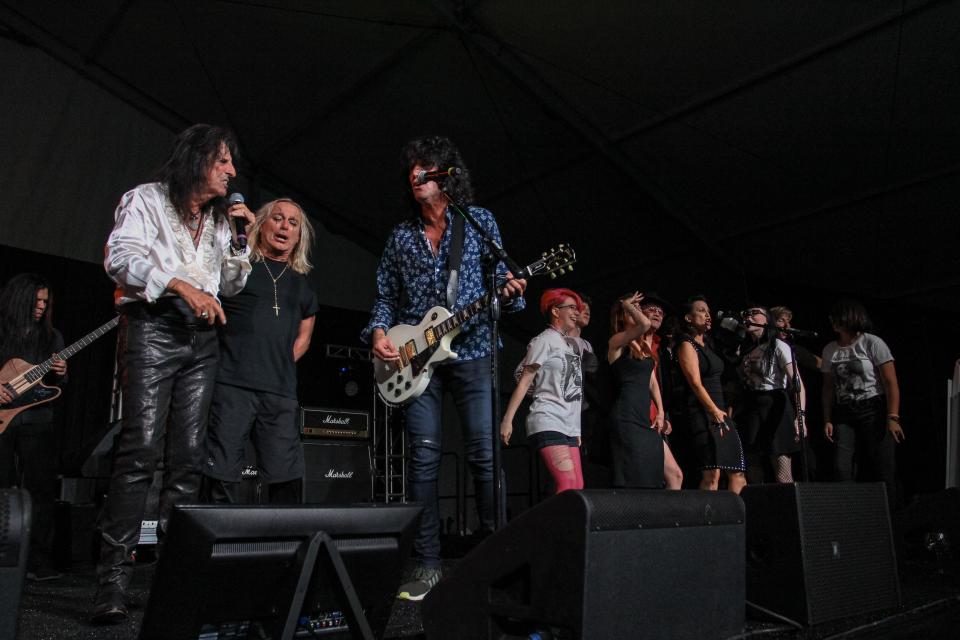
(570, 269)
(553, 276)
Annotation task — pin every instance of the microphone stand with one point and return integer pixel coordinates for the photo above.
(495, 255)
(801, 417)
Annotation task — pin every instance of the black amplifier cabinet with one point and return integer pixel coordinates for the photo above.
(319, 422)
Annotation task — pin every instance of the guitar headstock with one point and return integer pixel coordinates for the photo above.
(556, 261)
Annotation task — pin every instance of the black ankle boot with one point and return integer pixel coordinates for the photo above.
(109, 607)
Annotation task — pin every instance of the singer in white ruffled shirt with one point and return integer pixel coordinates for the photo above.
(173, 250)
(150, 246)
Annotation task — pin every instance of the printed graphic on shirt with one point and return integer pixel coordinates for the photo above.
(572, 377)
(850, 379)
(761, 370)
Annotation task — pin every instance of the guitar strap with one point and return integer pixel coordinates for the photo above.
(454, 260)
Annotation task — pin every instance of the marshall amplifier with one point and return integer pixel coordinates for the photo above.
(317, 422)
(337, 472)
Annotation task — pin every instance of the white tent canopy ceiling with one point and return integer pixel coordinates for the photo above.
(675, 144)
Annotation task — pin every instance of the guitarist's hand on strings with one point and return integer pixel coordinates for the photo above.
(5, 397)
(383, 348)
(513, 287)
(58, 365)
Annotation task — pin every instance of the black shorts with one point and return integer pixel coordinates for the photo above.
(551, 439)
(270, 419)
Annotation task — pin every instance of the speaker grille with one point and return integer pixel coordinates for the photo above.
(12, 521)
(848, 555)
(336, 472)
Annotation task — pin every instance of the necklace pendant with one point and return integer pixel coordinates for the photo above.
(276, 310)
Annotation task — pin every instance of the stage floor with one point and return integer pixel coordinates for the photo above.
(931, 609)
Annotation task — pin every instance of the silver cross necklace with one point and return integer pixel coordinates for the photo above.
(276, 304)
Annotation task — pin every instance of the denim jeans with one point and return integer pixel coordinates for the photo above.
(865, 449)
(469, 384)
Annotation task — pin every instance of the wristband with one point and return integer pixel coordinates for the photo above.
(893, 418)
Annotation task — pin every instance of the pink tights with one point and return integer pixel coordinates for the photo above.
(563, 463)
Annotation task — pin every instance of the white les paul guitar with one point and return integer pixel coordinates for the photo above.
(423, 346)
(23, 381)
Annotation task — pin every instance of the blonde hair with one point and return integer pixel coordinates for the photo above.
(776, 312)
(300, 256)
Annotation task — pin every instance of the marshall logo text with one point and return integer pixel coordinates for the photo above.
(333, 473)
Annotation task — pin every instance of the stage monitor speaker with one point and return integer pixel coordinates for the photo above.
(15, 519)
(337, 472)
(605, 565)
(820, 551)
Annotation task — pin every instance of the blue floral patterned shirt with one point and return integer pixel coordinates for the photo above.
(411, 280)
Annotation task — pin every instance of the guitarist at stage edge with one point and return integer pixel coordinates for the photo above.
(27, 333)
(413, 277)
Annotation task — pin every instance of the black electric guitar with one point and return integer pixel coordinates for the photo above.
(423, 346)
(23, 381)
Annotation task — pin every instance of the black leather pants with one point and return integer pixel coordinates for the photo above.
(168, 369)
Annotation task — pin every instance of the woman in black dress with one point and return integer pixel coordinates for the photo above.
(637, 448)
(715, 440)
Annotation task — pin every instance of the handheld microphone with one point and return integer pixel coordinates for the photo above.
(798, 333)
(239, 230)
(729, 321)
(793, 333)
(440, 174)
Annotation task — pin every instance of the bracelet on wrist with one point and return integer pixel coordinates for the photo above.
(893, 418)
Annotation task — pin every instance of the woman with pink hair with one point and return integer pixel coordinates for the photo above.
(552, 369)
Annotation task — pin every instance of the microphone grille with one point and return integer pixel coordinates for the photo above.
(236, 198)
(729, 323)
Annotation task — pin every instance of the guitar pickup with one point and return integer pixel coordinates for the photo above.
(430, 335)
(408, 352)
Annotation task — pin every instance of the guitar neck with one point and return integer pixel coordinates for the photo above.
(457, 319)
(554, 261)
(43, 368)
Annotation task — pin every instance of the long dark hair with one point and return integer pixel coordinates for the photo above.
(20, 334)
(184, 173)
(438, 151)
(768, 338)
(851, 316)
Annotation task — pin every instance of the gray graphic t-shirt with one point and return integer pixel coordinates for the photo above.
(855, 367)
(558, 385)
(762, 373)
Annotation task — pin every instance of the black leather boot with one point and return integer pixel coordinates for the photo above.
(120, 531)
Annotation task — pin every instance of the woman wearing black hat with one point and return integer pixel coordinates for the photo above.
(655, 309)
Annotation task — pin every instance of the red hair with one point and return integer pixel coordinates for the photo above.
(553, 297)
